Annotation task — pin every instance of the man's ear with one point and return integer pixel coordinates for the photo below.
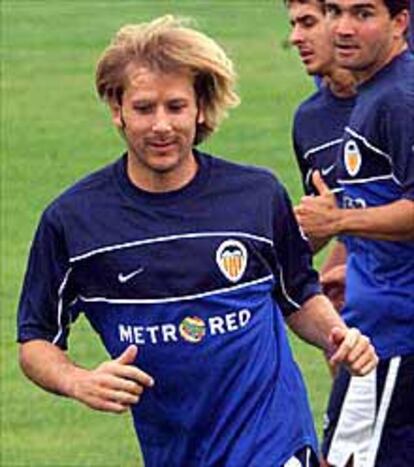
(401, 23)
(116, 112)
(201, 117)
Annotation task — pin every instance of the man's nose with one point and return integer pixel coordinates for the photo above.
(162, 122)
(344, 25)
(296, 36)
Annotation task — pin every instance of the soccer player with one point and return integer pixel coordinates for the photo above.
(371, 420)
(320, 120)
(185, 265)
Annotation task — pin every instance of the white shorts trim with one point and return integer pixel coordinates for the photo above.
(359, 429)
(353, 432)
(383, 409)
(295, 462)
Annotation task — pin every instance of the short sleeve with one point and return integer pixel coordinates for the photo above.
(303, 165)
(297, 279)
(47, 301)
(398, 134)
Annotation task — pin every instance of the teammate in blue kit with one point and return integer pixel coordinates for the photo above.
(193, 260)
(371, 420)
(320, 121)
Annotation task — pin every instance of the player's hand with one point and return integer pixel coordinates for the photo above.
(333, 285)
(352, 349)
(319, 216)
(114, 385)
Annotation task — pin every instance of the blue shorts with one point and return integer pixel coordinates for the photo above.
(371, 419)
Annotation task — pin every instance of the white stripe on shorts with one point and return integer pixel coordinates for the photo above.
(308, 456)
(355, 425)
(383, 409)
(295, 462)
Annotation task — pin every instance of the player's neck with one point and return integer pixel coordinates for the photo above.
(341, 82)
(366, 74)
(161, 181)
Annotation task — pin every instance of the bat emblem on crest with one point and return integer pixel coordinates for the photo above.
(352, 156)
(231, 258)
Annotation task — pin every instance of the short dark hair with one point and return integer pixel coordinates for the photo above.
(396, 6)
(288, 3)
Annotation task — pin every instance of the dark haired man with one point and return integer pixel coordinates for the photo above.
(320, 120)
(370, 421)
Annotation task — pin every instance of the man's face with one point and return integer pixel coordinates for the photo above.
(311, 37)
(158, 118)
(363, 33)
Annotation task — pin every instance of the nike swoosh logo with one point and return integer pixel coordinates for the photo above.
(126, 277)
(327, 170)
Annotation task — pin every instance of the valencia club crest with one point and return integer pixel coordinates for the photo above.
(231, 258)
(352, 157)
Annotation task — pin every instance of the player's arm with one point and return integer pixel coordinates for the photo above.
(309, 313)
(112, 387)
(332, 275)
(320, 216)
(318, 243)
(394, 221)
(299, 151)
(336, 258)
(46, 309)
(318, 323)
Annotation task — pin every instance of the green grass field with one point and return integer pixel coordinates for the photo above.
(54, 130)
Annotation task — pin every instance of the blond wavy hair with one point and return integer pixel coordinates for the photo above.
(168, 44)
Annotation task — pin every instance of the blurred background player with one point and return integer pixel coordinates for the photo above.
(320, 121)
(192, 259)
(370, 421)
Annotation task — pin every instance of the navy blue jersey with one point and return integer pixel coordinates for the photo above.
(199, 279)
(377, 168)
(318, 129)
(318, 80)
